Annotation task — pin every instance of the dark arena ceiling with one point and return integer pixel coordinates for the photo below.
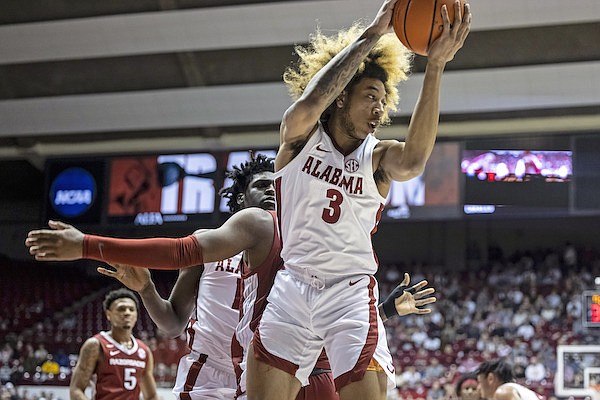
(84, 77)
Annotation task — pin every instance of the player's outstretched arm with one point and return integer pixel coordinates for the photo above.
(244, 230)
(406, 300)
(84, 369)
(172, 315)
(62, 242)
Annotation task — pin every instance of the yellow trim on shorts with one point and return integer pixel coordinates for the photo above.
(374, 366)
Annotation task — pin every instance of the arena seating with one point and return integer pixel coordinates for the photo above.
(479, 315)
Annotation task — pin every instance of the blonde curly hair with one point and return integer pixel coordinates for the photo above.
(391, 59)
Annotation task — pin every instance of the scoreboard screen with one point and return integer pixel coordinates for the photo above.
(517, 181)
(591, 308)
(171, 188)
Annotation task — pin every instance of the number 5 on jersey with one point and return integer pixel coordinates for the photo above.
(129, 379)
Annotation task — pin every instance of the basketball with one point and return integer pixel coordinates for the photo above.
(418, 23)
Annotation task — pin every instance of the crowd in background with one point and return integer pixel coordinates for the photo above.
(518, 306)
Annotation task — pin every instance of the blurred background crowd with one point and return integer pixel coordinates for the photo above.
(518, 306)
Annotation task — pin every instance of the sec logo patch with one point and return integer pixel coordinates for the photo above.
(351, 165)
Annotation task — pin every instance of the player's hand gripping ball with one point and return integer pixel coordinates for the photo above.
(418, 23)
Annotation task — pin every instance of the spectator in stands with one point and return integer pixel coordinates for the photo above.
(50, 366)
(41, 353)
(434, 370)
(30, 362)
(6, 353)
(436, 392)
(8, 392)
(522, 314)
(418, 337)
(61, 358)
(5, 373)
(432, 343)
(410, 376)
(398, 376)
(468, 364)
(526, 331)
(554, 299)
(569, 255)
(123, 365)
(467, 387)
(535, 371)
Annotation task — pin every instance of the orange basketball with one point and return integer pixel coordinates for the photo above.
(418, 23)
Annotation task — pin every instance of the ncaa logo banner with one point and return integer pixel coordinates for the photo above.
(73, 192)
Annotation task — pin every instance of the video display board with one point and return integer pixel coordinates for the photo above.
(433, 195)
(459, 181)
(163, 189)
(591, 308)
(514, 181)
(587, 173)
(171, 188)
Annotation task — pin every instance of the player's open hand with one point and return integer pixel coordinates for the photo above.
(134, 278)
(453, 35)
(62, 242)
(414, 299)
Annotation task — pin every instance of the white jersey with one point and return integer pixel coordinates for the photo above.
(213, 323)
(524, 393)
(328, 208)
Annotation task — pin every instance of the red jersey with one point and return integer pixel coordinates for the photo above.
(119, 372)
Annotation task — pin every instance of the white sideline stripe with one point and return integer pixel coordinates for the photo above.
(548, 86)
(243, 26)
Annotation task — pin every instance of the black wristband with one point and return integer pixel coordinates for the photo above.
(389, 308)
(389, 304)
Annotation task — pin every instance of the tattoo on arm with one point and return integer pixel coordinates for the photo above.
(86, 365)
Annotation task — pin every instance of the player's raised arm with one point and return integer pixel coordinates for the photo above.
(403, 161)
(315, 96)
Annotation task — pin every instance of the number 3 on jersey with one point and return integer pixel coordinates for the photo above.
(331, 214)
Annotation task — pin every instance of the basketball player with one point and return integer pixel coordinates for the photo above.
(122, 364)
(252, 187)
(209, 290)
(202, 300)
(207, 372)
(496, 382)
(332, 178)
